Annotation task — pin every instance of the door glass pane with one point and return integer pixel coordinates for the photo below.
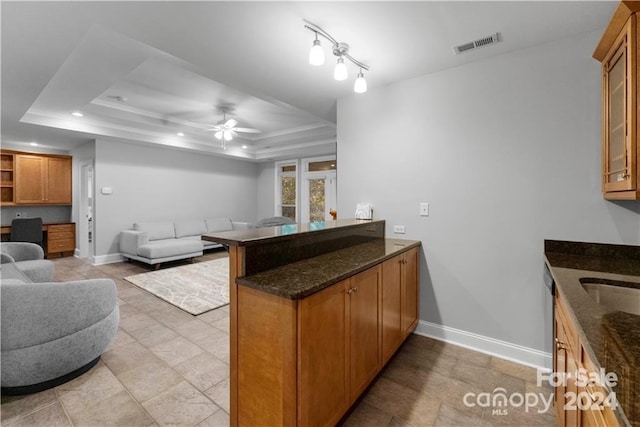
(316, 200)
(617, 116)
(288, 185)
(326, 165)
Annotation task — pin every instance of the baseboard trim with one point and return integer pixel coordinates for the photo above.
(106, 259)
(494, 347)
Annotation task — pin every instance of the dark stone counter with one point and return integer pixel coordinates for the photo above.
(612, 338)
(303, 278)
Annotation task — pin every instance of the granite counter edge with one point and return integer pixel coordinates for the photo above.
(247, 282)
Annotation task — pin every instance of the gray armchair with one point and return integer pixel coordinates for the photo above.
(29, 259)
(50, 332)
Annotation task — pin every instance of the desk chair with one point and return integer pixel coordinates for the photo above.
(27, 230)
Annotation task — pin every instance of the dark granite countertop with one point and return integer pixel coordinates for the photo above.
(303, 278)
(611, 338)
(257, 236)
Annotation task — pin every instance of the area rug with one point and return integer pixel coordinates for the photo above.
(194, 288)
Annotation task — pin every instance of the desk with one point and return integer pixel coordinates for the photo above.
(59, 238)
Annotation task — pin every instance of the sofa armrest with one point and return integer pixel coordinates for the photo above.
(240, 225)
(34, 313)
(6, 258)
(22, 251)
(131, 240)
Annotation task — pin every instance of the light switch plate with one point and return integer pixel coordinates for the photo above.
(424, 209)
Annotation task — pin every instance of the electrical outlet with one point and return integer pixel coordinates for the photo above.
(18, 214)
(424, 209)
(399, 229)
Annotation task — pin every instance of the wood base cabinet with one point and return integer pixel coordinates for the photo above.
(305, 362)
(399, 301)
(61, 240)
(578, 403)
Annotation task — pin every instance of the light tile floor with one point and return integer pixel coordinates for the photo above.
(166, 366)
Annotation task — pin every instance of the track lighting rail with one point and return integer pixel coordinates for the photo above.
(336, 45)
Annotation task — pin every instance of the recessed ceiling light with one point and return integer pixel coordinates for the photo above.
(33, 144)
(244, 147)
(180, 134)
(77, 114)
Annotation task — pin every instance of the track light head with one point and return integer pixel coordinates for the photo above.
(360, 85)
(340, 72)
(316, 54)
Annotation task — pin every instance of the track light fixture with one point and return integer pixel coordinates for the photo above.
(341, 50)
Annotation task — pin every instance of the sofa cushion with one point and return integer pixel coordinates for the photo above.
(169, 248)
(37, 270)
(156, 230)
(219, 224)
(9, 273)
(190, 228)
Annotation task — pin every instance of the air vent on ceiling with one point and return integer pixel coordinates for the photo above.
(485, 41)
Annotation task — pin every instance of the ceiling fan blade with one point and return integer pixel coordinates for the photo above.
(247, 130)
(218, 134)
(231, 123)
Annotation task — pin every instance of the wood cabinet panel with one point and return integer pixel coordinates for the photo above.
(391, 307)
(40, 180)
(323, 380)
(363, 325)
(409, 291)
(30, 179)
(267, 354)
(59, 180)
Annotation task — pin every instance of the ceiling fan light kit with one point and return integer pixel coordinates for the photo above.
(341, 50)
(226, 129)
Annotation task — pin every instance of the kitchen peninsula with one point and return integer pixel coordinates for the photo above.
(316, 310)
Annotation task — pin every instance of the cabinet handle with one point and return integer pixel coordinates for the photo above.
(355, 289)
(560, 345)
(350, 291)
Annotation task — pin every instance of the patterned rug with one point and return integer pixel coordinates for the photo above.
(194, 288)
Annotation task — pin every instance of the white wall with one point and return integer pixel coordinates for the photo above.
(156, 184)
(266, 190)
(507, 153)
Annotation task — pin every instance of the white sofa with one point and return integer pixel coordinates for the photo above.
(162, 241)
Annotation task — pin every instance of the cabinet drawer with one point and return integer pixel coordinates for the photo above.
(61, 228)
(66, 235)
(61, 246)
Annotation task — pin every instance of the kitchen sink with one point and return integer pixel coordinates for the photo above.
(614, 294)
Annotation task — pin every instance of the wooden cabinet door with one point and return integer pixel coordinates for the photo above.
(619, 97)
(363, 326)
(30, 179)
(409, 291)
(392, 332)
(323, 381)
(58, 181)
(561, 366)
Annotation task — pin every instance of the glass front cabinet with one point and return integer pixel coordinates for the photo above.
(618, 52)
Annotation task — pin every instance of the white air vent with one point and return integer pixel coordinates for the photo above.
(485, 41)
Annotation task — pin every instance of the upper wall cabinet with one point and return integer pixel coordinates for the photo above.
(36, 179)
(618, 53)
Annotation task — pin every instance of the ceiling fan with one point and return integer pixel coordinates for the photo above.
(225, 130)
